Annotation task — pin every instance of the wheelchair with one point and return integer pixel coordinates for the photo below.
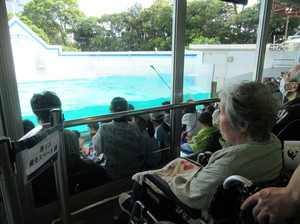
(224, 207)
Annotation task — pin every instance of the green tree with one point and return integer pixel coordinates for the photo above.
(208, 21)
(208, 18)
(157, 26)
(245, 26)
(89, 35)
(134, 29)
(57, 18)
(205, 40)
(40, 32)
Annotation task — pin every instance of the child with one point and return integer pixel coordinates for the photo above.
(201, 142)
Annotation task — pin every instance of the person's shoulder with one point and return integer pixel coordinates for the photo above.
(105, 125)
(133, 125)
(226, 152)
(272, 144)
(145, 137)
(213, 128)
(275, 140)
(293, 105)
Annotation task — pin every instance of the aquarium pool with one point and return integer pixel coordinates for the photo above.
(91, 97)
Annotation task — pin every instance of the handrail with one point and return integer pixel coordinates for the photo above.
(130, 113)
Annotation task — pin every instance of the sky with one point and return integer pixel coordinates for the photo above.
(99, 7)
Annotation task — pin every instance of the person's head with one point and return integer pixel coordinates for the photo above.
(290, 86)
(43, 103)
(144, 123)
(77, 133)
(167, 102)
(157, 117)
(190, 108)
(271, 87)
(248, 112)
(210, 109)
(205, 119)
(130, 107)
(93, 128)
(118, 104)
(28, 125)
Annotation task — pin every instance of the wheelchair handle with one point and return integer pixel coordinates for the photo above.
(234, 180)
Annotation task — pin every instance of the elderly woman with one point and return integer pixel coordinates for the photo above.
(247, 114)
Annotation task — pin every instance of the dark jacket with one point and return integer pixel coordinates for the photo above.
(287, 126)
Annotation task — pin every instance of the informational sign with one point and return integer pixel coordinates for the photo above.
(291, 154)
(42, 155)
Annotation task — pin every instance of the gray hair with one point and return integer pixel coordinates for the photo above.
(295, 74)
(253, 103)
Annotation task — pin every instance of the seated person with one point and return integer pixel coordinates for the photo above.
(216, 135)
(42, 104)
(290, 111)
(150, 151)
(166, 112)
(83, 150)
(210, 109)
(273, 86)
(130, 107)
(28, 125)
(248, 112)
(201, 142)
(119, 141)
(93, 128)
(189, 122)
(162, 129)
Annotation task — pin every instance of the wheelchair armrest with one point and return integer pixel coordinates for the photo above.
(236, 179)
(165, 188)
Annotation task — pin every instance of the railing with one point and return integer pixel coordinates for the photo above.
(7, 168)
(132, 113)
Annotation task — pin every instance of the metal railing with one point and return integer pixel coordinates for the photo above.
(132, 113)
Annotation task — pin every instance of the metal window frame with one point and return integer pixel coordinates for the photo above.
(11, 120)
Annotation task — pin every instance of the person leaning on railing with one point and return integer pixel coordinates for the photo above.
(119, 142)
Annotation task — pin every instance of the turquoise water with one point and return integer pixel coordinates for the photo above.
(91, 97)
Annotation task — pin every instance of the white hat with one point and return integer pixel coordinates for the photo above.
(215, 116)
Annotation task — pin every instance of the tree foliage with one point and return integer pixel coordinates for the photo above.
(57, 18)
(205, 40)
(208, 21)
(245, 26)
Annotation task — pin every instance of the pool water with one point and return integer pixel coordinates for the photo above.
(91, 97)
